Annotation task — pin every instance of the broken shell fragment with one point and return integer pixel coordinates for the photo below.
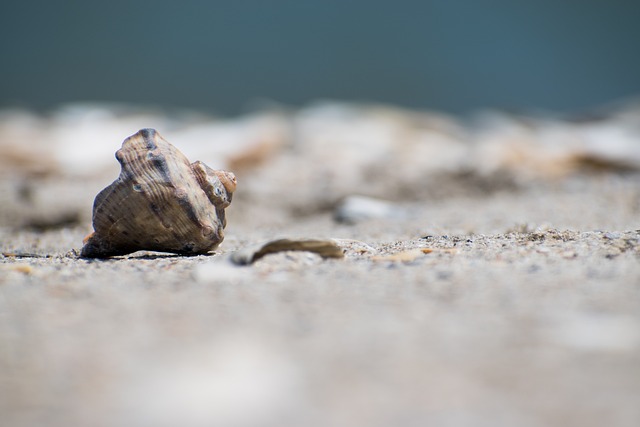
(160, 202)
(324, 248)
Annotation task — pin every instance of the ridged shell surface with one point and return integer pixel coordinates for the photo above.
(160, 202)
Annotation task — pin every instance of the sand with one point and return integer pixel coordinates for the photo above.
(496, 283)
(526, 312)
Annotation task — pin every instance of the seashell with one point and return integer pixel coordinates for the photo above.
(326, 248)
(160, 202)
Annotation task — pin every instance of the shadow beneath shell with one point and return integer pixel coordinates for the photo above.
(149, 256)
(161, 255)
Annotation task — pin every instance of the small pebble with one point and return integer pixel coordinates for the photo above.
(354, 209)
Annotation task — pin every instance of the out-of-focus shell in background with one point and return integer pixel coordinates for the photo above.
(160, 202)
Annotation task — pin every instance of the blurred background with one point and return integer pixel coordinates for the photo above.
(228, 57)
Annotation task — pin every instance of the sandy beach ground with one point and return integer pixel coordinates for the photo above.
(497, 285)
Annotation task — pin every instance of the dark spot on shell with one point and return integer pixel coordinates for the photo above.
(137, 187)
(160, 163)
(221, 217)
(158, 212)
(183, 201)
(148, 134)
(111, 218)
(125, 232)
(189, 247)
(136, 241)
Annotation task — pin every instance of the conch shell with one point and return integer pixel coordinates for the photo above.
(160, 202)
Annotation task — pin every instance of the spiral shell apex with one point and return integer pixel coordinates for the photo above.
(160, 202)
